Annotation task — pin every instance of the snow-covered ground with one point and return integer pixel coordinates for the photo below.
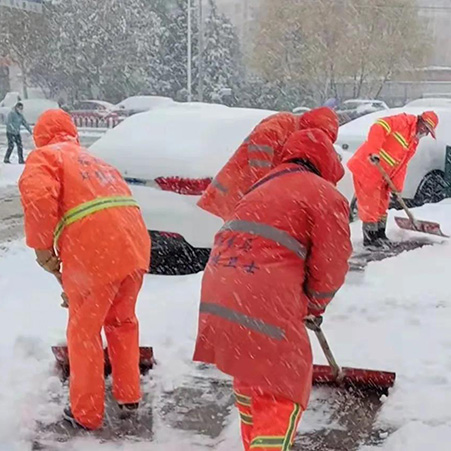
(394, 317)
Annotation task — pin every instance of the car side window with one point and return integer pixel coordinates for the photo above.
(86, 106)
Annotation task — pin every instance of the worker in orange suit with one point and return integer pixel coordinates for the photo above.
(258, 155)
(392, 142)
(87, 230)
(279, 259)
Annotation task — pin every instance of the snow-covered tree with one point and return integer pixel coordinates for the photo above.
(112, 49)
(319, 43)
(103, 48)
(173, 52)
(222, 58)
(20, 33)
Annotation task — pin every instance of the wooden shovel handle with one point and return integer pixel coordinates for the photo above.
(392, 187)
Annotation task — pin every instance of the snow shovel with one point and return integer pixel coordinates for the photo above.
(354, 378)
(410, 223)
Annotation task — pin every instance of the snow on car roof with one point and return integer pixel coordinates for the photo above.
(185, 141)
(430, 102)
(107, 105)
(362, 101)
(144, 102)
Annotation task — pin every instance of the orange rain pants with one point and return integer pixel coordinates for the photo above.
(111, 306)
(373, 201)
(268, 422)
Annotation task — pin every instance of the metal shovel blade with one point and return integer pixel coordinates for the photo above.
(431, 228)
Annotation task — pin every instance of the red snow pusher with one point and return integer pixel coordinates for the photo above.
(146, 360)
(409, 223)
(353, 378)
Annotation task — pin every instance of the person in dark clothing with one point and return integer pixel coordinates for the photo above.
(13, 123)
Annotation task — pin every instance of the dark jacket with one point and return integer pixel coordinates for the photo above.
(14, 121)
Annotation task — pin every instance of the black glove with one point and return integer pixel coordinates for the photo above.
(313, 322)
(375, 159)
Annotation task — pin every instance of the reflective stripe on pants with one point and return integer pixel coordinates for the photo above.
(268, 422)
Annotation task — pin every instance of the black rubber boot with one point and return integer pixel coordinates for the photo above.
(69, 418)
(128, 411)
(382, 236)
(371, 239)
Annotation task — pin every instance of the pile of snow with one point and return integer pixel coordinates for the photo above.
(430, 102)
(10, 174)
(395, 317)
(186, 141)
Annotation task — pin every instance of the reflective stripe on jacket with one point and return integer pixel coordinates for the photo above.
(89, 208)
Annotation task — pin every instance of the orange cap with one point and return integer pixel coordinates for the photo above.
(430, 120)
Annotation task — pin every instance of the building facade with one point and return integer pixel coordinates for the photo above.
(437, 15)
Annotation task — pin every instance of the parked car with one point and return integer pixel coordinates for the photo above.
(97, 108)
(354, 108)
(430, 102)
(141, 104)
(95, 113)
(10, 99)
(425, 181)
(301, 110)
(169, 157)
(33, 108)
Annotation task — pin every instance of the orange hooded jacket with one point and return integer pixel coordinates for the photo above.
(258, 155)
(59, 175)
(281, 255)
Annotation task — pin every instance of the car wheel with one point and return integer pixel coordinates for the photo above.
(353, 210)
(172, 255)
(432, 189)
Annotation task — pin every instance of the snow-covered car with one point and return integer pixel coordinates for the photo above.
(94, 113)
(33, 108)
(10, 99)
(425, 181)
(301, 110)
(141, 104)
(97, 108)
(430, 102)
(169, 157)
(352, 109)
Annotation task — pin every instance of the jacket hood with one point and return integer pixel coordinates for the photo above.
(316, 147)
(54, 126)
(323, 118)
